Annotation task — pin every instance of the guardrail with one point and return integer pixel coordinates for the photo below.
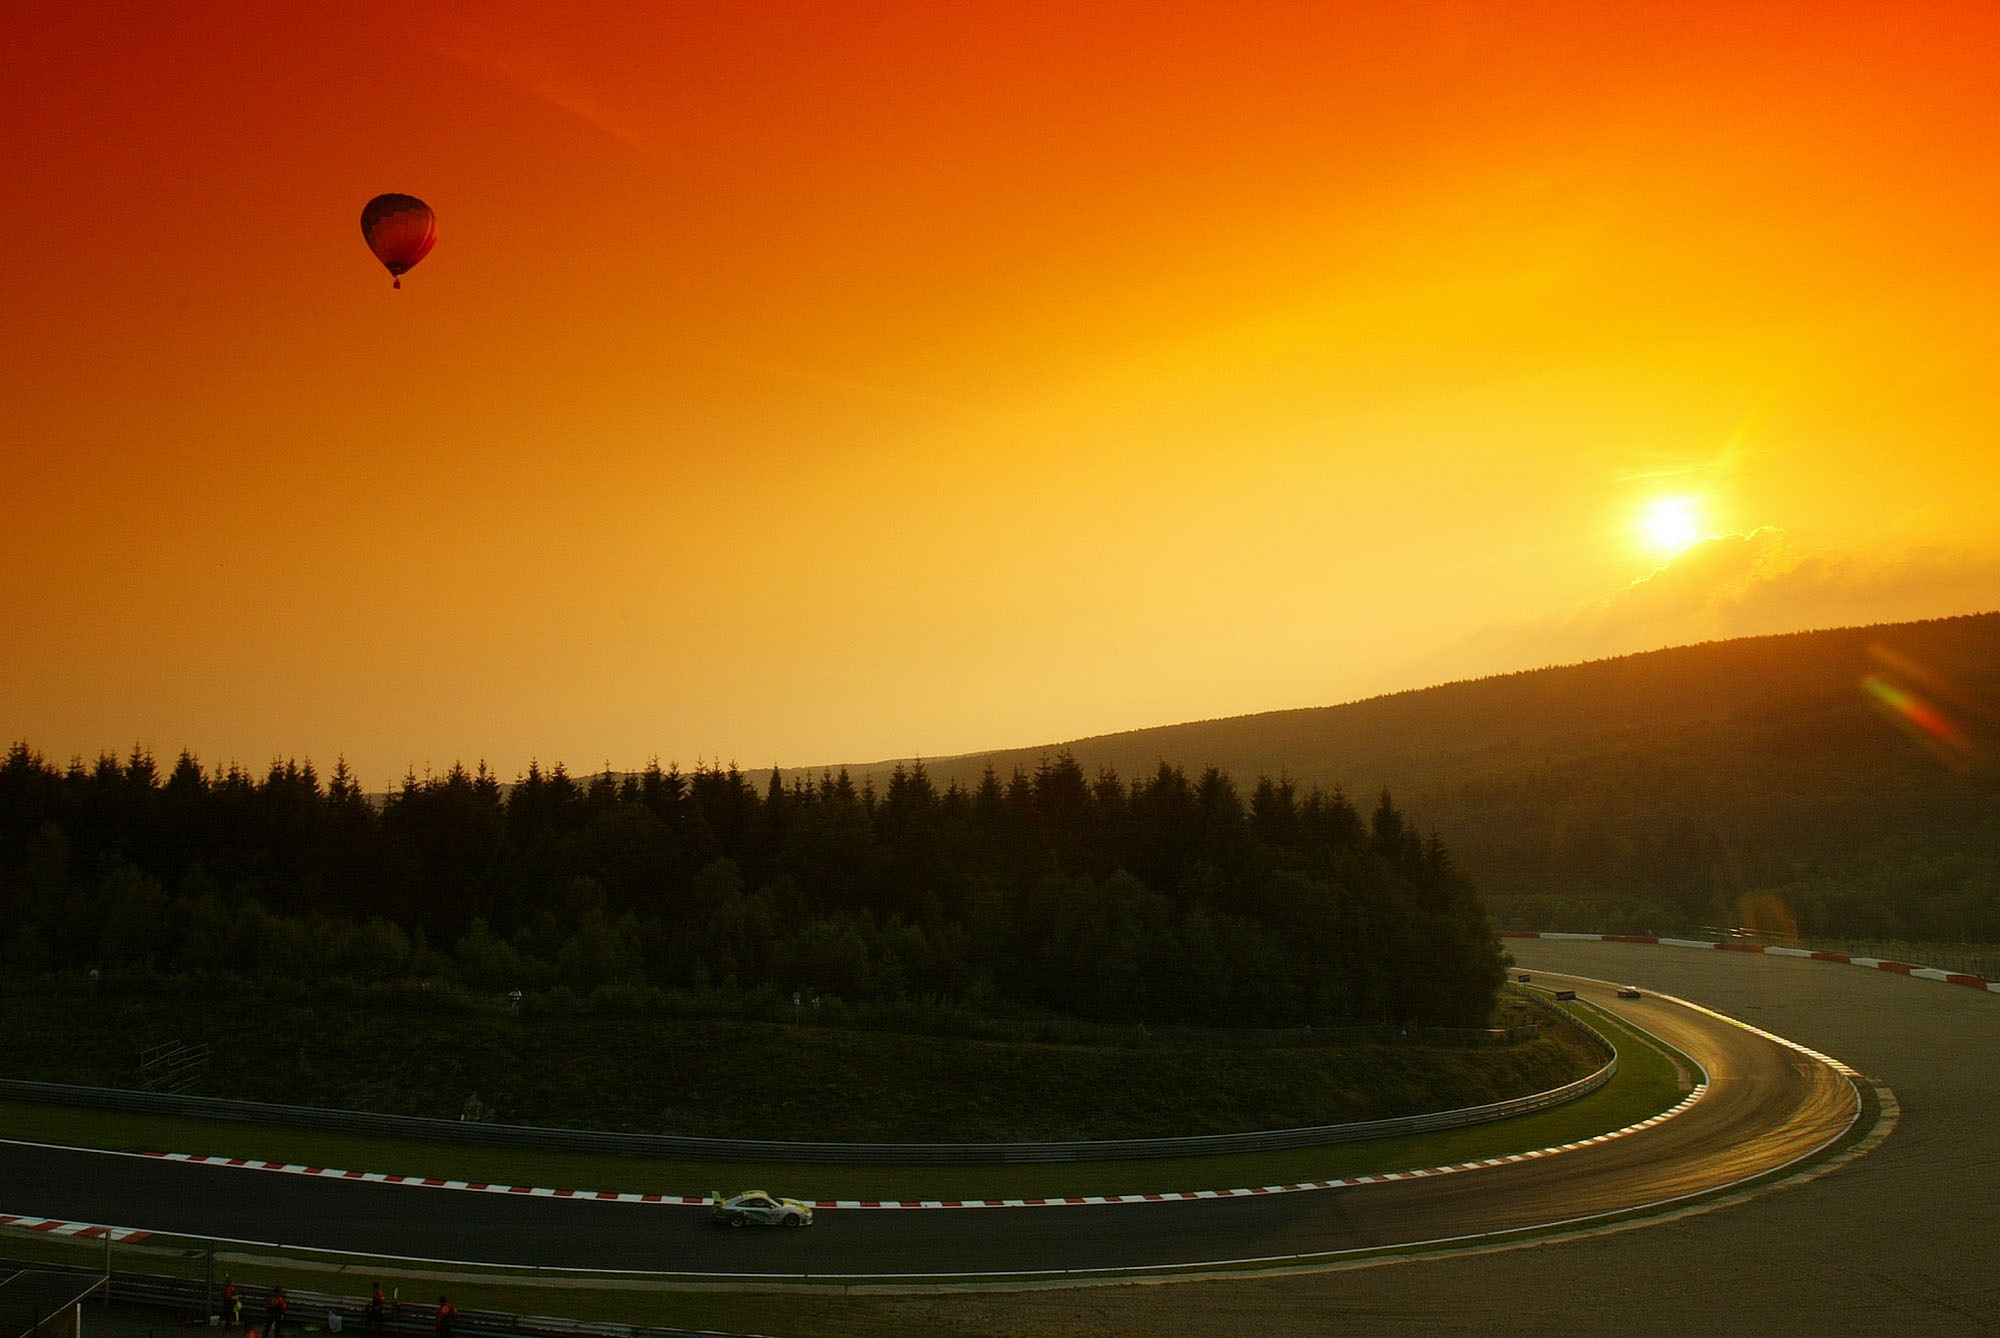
(805, 1153)
(1597, 1039)
(1746, 944)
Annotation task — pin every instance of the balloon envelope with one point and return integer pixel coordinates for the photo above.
(400, 230)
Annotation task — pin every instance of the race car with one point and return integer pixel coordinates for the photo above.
(760, 1207)
(1628, 991)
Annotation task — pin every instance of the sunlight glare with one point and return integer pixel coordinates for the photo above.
(1671, 524)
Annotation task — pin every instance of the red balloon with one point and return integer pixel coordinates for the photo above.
(400, 230)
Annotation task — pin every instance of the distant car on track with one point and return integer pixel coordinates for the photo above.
(1628, 992)
(759, 1207)
(1523, 978)
(1565, 996)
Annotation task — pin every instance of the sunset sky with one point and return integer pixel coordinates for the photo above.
(814, 383)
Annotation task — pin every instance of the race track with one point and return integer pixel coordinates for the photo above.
(1767, 1105)
(1903, 1241)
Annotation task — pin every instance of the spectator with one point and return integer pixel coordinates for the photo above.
(232, 1304)
(446, 1317)
(377, 1307)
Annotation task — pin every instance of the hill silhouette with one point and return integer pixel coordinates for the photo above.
(1840, 781)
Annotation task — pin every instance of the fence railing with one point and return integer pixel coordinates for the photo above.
(804, 1153)
(192, 1301)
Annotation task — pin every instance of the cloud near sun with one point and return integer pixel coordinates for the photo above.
(1751, 584)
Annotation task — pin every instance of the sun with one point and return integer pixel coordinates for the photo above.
(1670, 525)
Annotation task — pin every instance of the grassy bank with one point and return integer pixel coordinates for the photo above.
(658, 1074)
(1646, 1083)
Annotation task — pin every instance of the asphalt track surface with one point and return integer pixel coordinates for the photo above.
(1902, 1241)
(1767, 1105)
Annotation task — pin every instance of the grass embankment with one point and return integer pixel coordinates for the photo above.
(763, 1081)
(1646, 1083)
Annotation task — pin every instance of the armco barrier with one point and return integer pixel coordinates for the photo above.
(738, 1149)
(1772, 950)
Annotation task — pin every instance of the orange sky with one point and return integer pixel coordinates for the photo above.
(804, 383)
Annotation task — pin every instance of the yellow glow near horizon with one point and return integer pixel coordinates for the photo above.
(1671, 524)
(808, 384)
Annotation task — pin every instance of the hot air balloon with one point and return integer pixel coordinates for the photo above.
(400, 230)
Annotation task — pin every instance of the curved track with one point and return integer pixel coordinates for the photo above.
(1767, 1106)
(1903, 1241)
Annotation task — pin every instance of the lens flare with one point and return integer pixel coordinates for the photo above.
(1767, 913)
(1922, 720)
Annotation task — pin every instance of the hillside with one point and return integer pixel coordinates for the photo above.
(1414, 739)
(1768, 779)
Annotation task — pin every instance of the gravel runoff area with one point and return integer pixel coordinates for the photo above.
(1903, 1241)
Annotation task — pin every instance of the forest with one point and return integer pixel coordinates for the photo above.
(1817, 816)
(1837, 785)
(1167, 900)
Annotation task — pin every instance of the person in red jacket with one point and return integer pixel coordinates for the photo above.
(378, 1306)
(446, 1317)
(275, 1306)
(232, 1304)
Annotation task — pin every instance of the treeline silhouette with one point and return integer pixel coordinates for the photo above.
(1166, 899)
